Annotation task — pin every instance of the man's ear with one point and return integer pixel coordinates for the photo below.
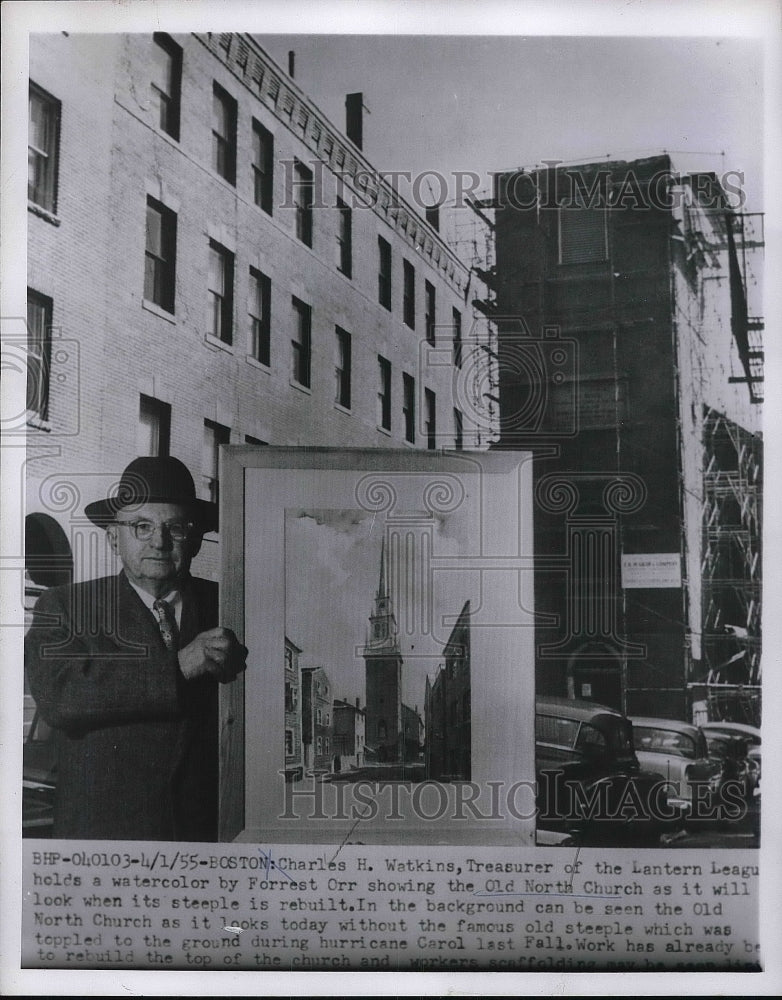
(111, 536)
(194, 541)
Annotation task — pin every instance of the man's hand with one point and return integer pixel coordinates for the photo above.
(216, 652)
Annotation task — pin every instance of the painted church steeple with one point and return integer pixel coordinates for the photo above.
(383, 627)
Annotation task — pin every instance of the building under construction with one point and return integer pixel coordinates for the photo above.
(631, 363)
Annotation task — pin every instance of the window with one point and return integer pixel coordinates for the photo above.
(342, 367)
(259, 309)
(288, 742)
(214, 435)
(263, 167)
(302, 342)
(384, 393)
(456, 321)
(583, 236)
(430, 320)
(221, 293)
(303, 189)
(166, 83)
(223, 134)
(458, 430)
(344, 238)
(42, 143)
(384, 273)
(154, 426)
(160, 256)
(319, 716)
(431, 419)
(408, 406)
(39, 349)
(408, 295)
(290, 697)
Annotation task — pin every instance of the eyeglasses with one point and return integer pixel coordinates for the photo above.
(144, 530)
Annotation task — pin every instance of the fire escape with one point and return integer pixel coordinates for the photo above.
(473, 242)
(744, 237)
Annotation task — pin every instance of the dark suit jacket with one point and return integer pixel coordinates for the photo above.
(137, 744)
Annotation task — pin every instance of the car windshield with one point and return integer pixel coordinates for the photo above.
(664, 741)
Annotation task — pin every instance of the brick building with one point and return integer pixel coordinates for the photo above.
(349, 734)
(211, 260)
(448, 709)
(294, 745)
(317, 725)
(631, 363)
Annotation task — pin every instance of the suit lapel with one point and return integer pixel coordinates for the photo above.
(135, 623)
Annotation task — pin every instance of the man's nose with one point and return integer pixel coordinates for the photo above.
(161, 537)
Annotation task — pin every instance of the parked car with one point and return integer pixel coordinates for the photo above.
(679, 751)
(589, 778)
(752, 736)
(39, 776)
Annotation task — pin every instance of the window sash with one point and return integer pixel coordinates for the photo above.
(431, 307)
(41, 150)
(223, 134)
(408, 296)
(160, 256)
(408, 406)
(166, 83)
(343, 368)
(303, 192)
(260, 325)
(263, 167)
(384, 273)
(384, 393)
(302, 343)
(457, 337)
(431, 419)
(214, 435)
(344, 239)
(39, 338)
(220, 282)
(154, 428)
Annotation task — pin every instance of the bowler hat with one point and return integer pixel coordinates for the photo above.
(155, 479)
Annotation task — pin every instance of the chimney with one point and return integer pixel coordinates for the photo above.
(291, 64)
(354, 118)
(433, 216)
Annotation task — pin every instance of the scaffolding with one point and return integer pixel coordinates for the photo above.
(731, 568)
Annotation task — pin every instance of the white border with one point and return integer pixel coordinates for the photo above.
(751, 18)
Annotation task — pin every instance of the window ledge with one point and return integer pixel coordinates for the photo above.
(343, 409)
(257, 364)
(43, 213)
(384, 430)
(221, 345)
(159, 311)
(302, 388)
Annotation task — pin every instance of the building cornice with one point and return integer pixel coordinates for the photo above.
(279, 94)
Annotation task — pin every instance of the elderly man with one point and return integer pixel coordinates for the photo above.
(126, 670)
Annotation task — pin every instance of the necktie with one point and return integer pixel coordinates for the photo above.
(167, 624)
